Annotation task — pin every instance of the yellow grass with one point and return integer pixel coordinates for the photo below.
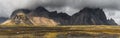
(53, 32)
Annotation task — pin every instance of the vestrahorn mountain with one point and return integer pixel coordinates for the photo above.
(42, 17)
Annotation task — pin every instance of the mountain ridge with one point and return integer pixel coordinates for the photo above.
(42, 17)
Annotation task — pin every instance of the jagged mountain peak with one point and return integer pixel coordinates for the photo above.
(90, 10)
(41, 16)
(53, 14)
(92, 16)
(40, 12)
(40, 9)
(64, 15)
(25, 11)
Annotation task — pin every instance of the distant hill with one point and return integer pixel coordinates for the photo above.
(42, 17)
(2, 19)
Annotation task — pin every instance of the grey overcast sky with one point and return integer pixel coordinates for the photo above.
(111, 7)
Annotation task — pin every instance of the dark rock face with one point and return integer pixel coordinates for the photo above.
(40, 11)
(25, 11)
(20, 16)
(2, 19)
(63, 18)
(41, 16)
(112, 22)
(89, 16)
(53, 14)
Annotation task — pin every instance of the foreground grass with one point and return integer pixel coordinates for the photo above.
(52, 32)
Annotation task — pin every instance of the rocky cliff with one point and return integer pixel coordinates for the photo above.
(18, 17)
(89, 16)
(42, 17)
(111, 22)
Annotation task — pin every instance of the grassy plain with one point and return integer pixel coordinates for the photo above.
(63, 31)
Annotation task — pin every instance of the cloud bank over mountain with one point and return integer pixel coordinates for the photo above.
(111, 7)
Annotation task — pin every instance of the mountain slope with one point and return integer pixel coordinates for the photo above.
(90, 16)
(42, 17)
